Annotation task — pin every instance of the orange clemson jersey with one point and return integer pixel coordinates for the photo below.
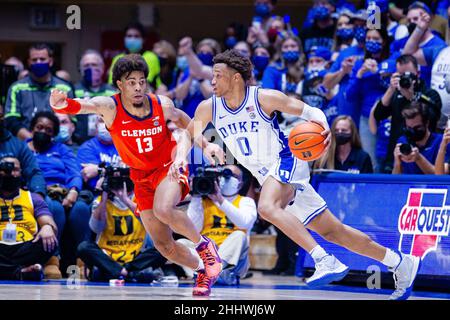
(143, 143)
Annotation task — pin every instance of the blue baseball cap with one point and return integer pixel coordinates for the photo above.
(320, 52)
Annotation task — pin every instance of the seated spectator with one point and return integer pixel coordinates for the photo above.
(226, 217)
(365, 86)
(16, 63)
(64, 75)
(95, 151)
(118, 251)
(345, 152)
(167, 56)
(10, 146)
(66, 135)
(62, 176)
(285, 72)
(320, 34)
(243, 48)
(397, 97)
(92, 69)
(28, 231)
(30, 95)
(443, 157)
(417, 149)
(134, 43)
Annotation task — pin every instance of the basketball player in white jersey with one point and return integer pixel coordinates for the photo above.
(245, 119)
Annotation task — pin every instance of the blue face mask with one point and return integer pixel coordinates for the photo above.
(262, 9)
(230, 42)
(40, 69)
(182, 63)
(260, 62)
(345, 33)
(63, 135)
(373, 47)
(133, 45)
(291, 56)
(321, 13)
(206, 58)
(360, 34)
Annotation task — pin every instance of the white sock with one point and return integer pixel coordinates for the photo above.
(200, 266)
(391, 259)
(317, 253)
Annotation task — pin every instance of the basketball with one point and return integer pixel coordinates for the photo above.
(306, 141)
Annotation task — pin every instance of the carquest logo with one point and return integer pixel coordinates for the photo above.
(425, 218)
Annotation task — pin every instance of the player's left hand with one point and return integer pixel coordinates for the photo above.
(213, 150)
(325, 133)
(177, 168)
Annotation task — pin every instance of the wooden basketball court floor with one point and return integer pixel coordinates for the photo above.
(258, 287)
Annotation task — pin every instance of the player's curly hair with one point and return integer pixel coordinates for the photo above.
(127, 64)
(233, 59)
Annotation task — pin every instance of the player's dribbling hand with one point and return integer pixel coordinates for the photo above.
(325, 133)
(58, 99)
(213, 150)
(177, 168)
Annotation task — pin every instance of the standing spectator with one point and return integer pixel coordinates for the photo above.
(321, 33)
(167, 56)
(397, 97)
(286, 71)
(12, 147)
(420, 156)
(345, 152)
(438, 58)
(260, 60)
(95, 151)
(343, 37)
(442, 159)
(63, 179)
(30, 95)
(263, 10)
(28, 231)
(227, 218)
(134, 43)
(365, 86)
(92, 68)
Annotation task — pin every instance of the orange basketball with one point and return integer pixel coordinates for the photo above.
(306, 141)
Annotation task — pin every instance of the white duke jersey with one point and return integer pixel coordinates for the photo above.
(256, 140)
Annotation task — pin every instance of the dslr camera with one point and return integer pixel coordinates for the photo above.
(114, 177)
(407, 79)
(204, 179)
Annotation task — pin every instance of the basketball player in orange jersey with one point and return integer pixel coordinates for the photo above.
(137, 123)
(245, 118)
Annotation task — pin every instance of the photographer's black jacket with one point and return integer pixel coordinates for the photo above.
(398, 102)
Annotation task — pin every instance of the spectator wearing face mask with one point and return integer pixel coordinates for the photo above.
(167, 56)
(99, 149)
(67, 126)
(365, 86)
(285, 73)
(263, 10)
(339, 73)
(134, 43)
(30, 95)
(345, 152)
(345, 32)
(321, 33)
(92, 68)
(260, 59)
(417, 150)
(62, 176)
(195, 73)
(341, 6)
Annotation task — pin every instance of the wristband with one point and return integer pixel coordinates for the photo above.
(73, 107)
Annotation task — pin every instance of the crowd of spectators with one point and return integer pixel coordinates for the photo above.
(385, 92)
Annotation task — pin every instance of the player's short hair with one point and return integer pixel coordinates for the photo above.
(233, 59)
(127, 64)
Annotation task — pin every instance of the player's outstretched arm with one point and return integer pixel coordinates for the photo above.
(103, 106)
(273, 100)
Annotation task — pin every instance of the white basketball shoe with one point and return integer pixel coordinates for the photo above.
(405, 275)
(328, 269)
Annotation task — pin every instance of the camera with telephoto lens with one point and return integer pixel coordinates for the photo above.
(204, 180)
(114, 177)
(407, 79)
(405, 149)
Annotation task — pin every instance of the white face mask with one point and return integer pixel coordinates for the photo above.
(103, 133)
(229, 187)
